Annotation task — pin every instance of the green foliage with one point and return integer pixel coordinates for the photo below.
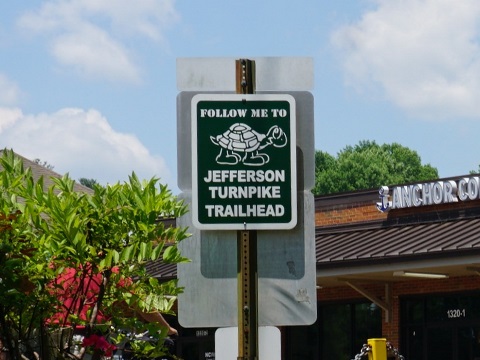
(475, 171)
(150, 349)
(111, 232)
(367, 166)
(90, 183)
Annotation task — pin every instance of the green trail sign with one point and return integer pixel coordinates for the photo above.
(244, 162)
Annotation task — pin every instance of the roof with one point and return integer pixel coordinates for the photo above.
(161, 270)
(398, 242)
(39, 171)
(374, 251)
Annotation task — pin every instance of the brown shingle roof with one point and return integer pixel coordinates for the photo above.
(161, 270)
(396, 243)
(41, 171)
(344, 246)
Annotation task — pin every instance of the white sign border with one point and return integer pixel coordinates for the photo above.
(293, 163)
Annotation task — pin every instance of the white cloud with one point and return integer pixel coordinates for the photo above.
(149, 18)
(423, 54)
(8, 117)
(9, 91)
(88, 34)
(92, 52)
(81, 143)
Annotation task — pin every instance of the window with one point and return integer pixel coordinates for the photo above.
(441, 326)
(339, 333)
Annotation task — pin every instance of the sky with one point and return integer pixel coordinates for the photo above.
(89, 86)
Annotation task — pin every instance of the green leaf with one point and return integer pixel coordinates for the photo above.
(59, 228)
(126, 255)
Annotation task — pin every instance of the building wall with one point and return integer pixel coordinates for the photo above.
(348, 214)
(399, 289)
(357, 211)
(330, 212)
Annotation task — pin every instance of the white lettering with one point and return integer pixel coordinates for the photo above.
(279, 112)
(209, 209)
(462, 189)
(472, 188)
(427, 198)
(435, 193)
(223, 113)
(244, 192)
(417, 195)
(259, 112)
(222, 176)
(397, 198)
(449, 190)
(259, 210)
(242, 112)
(406, 196)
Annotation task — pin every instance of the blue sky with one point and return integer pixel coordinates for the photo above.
(90, 85)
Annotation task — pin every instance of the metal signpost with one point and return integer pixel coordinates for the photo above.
(251, 169)
(247, 291)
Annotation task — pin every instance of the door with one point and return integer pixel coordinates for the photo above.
(441, 326)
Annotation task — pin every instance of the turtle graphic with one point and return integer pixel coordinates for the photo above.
(241, 144)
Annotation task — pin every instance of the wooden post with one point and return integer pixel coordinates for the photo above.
(247, 251)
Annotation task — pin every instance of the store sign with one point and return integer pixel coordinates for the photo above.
(432, 193)
(244, 162)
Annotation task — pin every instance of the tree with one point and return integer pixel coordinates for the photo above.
(367, 166)
(115, 230)
(90, 183)
(45, 164)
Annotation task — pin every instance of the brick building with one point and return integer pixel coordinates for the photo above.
(409, 274)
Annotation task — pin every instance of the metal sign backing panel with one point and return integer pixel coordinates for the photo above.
(286, 258)
(286, 275)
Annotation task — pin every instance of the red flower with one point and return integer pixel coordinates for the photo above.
(99, 343)
(90, 341)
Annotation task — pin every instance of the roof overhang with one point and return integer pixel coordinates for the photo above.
(451, 248)
(384, 272)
